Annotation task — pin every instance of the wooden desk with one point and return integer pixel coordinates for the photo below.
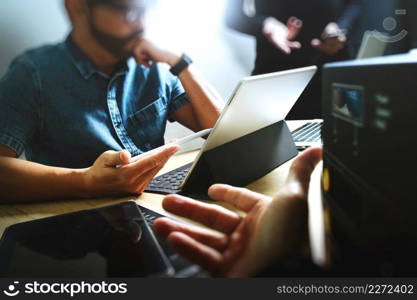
(11, 214)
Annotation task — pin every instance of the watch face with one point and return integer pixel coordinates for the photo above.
(181, 65)
(187, 59)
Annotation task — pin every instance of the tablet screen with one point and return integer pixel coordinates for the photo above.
(112, 241)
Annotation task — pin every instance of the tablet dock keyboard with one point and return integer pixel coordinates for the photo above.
(170, 183)
(310, 132)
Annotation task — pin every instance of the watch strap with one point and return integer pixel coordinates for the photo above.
(184, 62)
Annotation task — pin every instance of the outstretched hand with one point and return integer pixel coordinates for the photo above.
(333, 40)
(283, 36)
(240, 246)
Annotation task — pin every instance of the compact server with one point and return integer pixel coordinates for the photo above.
(370, 163)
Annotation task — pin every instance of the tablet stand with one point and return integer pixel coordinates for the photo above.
(243, 160)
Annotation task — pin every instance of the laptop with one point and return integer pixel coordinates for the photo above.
(256, 103)
(306, 133)
(372, 45)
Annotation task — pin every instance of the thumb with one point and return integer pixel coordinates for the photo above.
(114, 158)
(316, 43)
(143, 59)
(141, 55)
(167, 151)
(294, 45)
(294, 26)
(303, 166)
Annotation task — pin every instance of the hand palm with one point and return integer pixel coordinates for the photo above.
(283, 36)
(241, 246)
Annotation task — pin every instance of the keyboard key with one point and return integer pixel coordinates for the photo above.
(310, 132)
(170, 182)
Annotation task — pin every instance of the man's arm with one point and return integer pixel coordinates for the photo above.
(6, 152)
(205, 104)
(280, 33)
(238, 19)
(23, 181)
(350, 14)
(335, 33)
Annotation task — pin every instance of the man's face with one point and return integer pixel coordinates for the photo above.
(117, 25)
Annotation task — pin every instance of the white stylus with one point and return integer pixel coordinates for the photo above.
(179, 142)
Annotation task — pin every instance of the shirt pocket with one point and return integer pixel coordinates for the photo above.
(147, 126)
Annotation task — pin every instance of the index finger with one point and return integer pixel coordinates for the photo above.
(240, 198)
(152, 161)
(211, 215)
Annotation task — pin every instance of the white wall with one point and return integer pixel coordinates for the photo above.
(26, 24)
(194, 26)
(197, 27)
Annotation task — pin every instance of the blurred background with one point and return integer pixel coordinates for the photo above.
(196, 27)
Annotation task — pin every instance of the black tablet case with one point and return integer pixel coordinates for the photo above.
(243, 160)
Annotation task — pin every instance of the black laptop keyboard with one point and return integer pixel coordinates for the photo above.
(310, 132)
(170, 183)
(150, 215)
(182, 266)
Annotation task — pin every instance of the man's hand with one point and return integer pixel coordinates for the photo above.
(146, 53)
(242, 246)
(283, 36)
(104, 179)
(205, 104)
(333, 40)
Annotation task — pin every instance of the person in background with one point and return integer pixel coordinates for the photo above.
(272, 230)
(82, 107)
(411, 23)
(296, 33)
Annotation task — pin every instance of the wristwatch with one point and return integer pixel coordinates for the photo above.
(184, 62)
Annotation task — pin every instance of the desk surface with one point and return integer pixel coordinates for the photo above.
(12, 214)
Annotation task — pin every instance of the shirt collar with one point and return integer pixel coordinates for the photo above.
(83, 63)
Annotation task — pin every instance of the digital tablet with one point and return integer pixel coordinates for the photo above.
(111, 241)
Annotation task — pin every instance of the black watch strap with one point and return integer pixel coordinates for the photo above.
(184, 62)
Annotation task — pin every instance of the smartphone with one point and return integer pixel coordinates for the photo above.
(111, 241)
(331, 36)
(179, 142)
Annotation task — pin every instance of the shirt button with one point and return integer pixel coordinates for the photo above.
(147, 145)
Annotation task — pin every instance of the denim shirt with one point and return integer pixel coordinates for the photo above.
(61, 111)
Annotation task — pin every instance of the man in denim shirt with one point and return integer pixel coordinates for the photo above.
(79, 108)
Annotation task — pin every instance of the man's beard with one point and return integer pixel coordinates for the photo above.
(115, 45)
